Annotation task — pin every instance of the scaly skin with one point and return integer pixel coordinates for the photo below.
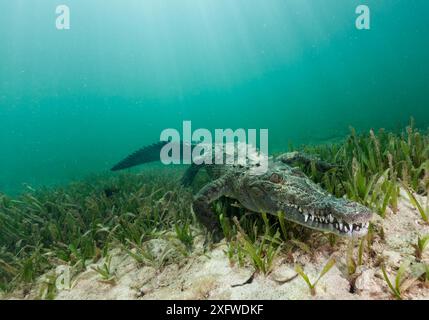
(282, 188)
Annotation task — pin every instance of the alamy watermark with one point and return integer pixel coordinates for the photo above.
(62, 22)
(229, 147)
(362, 22)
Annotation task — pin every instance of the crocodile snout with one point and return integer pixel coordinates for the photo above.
(350, 217)
(335, 215)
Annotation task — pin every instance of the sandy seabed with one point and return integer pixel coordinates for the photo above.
(210, 275)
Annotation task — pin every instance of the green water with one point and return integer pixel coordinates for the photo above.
(74, 102)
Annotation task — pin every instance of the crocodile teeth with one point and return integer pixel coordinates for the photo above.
(331, 221)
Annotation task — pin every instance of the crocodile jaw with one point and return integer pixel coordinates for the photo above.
(341, 217)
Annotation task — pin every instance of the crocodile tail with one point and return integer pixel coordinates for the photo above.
(144, 155)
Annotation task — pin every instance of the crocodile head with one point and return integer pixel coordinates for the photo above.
(304, 202)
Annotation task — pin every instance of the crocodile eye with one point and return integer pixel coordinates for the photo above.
(276, 178)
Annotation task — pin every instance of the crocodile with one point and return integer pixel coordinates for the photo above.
(281, 187)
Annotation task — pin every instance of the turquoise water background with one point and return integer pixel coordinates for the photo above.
(73, 102)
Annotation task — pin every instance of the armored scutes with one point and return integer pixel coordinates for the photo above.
(278, 188)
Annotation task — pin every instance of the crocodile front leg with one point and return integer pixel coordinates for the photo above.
(202, 204)
(291, 158)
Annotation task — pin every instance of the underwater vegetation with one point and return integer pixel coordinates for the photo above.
(79, 224)
(372, 167)
(312, 285)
